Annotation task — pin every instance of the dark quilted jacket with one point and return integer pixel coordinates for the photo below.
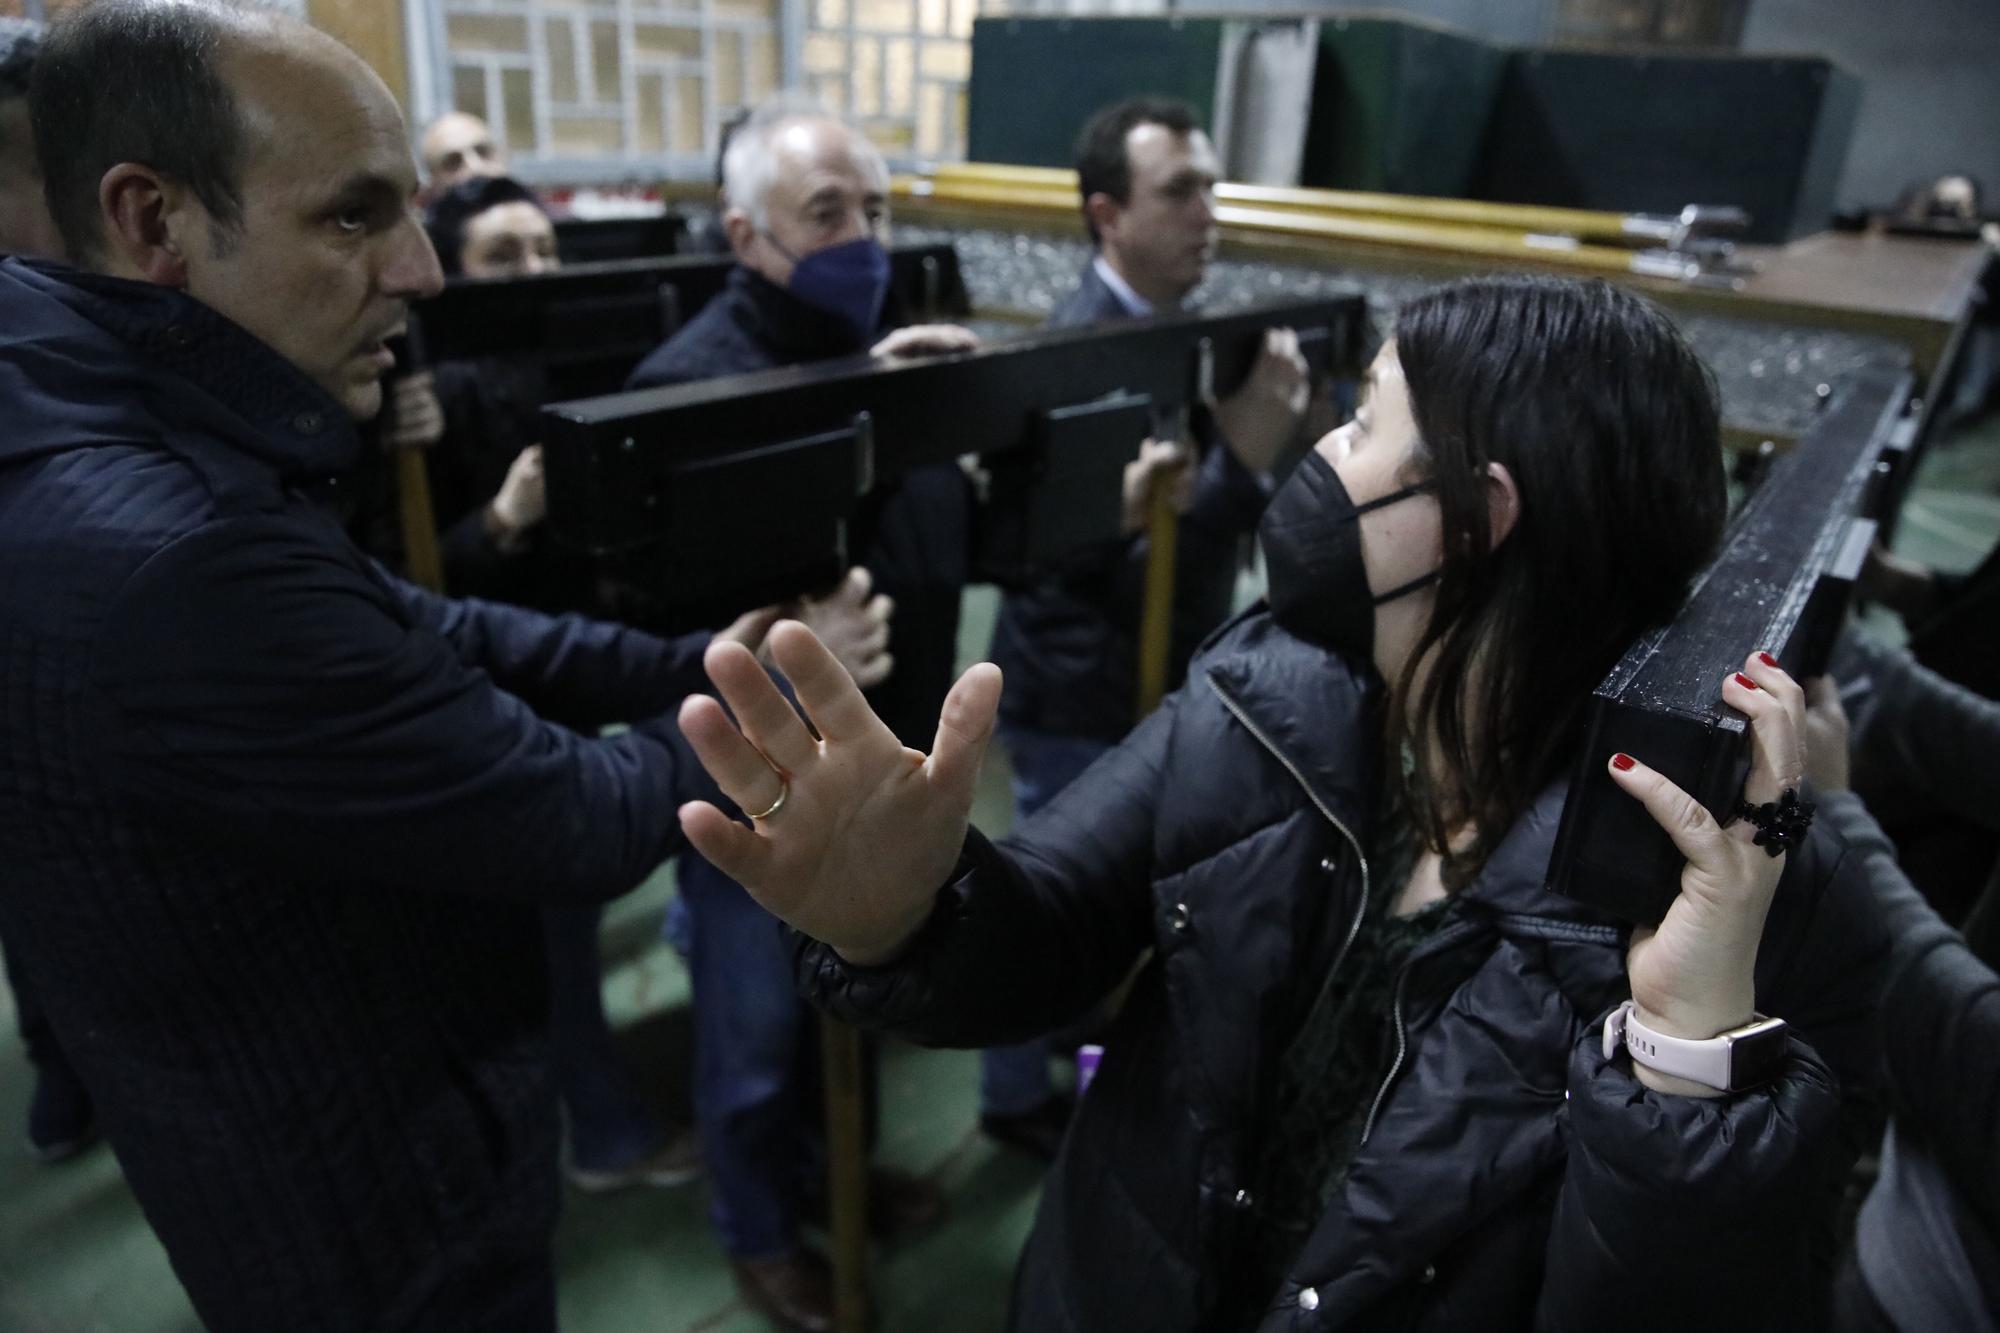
(1069, 643)
(274, 825)
(910, 535)
(1510, 1178)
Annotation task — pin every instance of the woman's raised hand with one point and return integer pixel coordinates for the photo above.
(853, 832)
(1694, 975)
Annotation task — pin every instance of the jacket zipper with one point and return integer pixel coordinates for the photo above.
(1354, 926)
(1429, 950)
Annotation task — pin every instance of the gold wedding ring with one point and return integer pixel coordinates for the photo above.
(784, 790)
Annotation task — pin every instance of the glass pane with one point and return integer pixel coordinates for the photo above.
(901, 58)
(559, 40)
(829, 13)
(749, 11)
(517, 95)
(468, 90)
(947, 60)
(891, 137)
(831, 90)
(595, 136)
(867, 79)
(606, 60)
(652, 113)
(688, 129)
(726, 64)
(825, 55)
(764, 67)
(882, 15)
(486, 32)
(934, 16)
(657, 41)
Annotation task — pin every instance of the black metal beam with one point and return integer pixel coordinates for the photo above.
(592, 323)
(598, 240)
(1782, 583)
(641, 480)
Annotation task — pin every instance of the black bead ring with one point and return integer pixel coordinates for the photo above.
(1781, 824)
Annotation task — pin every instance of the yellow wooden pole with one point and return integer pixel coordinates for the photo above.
(1583, 223)
(419, 521)
(1512, 245)
(847, 1173)
(1156, 620)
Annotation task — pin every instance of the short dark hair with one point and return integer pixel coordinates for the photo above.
(20, 43)
(138, 81)
(1102, 166)
(1609, 425)
(453, 211)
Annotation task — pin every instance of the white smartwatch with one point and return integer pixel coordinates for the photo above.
(1730, 1062)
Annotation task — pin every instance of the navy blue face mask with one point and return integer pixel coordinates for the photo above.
(1311, 535)
(849, 281)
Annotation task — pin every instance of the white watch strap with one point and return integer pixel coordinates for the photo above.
(1705, 1062)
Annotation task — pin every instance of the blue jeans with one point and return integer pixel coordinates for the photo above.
(610, 1124)
(1014, 1080)
(756, 1084)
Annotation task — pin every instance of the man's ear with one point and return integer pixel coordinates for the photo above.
(1503, 503)
(145, 224)
(741, 231)
(1103, 212)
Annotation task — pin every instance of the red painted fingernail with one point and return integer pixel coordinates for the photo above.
(1623, 762)
(1767, 659)
(1745, 681)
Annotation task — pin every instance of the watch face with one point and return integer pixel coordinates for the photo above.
(1756, 1055)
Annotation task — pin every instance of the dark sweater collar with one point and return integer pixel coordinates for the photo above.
(228, 382)
(792, 330)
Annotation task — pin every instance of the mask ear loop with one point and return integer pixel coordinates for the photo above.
(1383, 502)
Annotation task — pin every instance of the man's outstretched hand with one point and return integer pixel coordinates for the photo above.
(869, 829)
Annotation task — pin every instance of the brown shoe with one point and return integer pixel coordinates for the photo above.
(901, 1204)
(793, 1291)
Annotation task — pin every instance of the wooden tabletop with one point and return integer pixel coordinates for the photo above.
(1870, 273)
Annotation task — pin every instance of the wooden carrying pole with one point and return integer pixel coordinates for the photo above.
(847, 1173)
(1281, 224)
(413, 506)
(1156, 620)
(1582, 223)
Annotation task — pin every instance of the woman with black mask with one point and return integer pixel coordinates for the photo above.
(1364, 1079)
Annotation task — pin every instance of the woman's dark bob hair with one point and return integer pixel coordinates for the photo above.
(1608, 423)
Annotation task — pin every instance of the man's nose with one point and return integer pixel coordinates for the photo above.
(410, 270)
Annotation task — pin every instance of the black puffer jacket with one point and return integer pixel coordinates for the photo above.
(1511, 1178)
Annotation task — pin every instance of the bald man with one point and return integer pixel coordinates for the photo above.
(276, 827)
(457, 147)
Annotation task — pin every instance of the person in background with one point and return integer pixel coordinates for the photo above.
(61, 1120)
(806, 217)
(1069, 643)
(490, 495)
(1954, 631)
(485, 467)
(25, 225)
(458, 146)
(1926, 1251)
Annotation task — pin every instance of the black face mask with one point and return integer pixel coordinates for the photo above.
(1311, 534)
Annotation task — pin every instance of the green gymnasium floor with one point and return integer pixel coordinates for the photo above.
(76, 1257)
